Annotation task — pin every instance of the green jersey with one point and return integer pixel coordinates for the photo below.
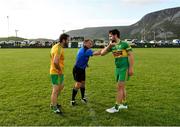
(120, 53)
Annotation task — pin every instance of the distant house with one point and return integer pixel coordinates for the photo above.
(80, 44)
(76, 42)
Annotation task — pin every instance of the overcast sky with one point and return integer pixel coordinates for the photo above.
(47, 18)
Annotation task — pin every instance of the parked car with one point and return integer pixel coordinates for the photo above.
(143, 41)
(176, 41)
(153, 41)
(161, 41)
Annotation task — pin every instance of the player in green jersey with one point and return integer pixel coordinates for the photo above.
(124, 61)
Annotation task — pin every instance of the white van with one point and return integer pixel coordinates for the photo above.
(176, 41)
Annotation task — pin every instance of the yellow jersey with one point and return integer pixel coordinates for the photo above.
(58, 51)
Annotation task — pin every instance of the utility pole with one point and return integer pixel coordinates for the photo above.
(165, 36)
(8, 28)
(16, 31)
(154, 35)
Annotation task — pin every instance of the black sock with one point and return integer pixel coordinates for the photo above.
(74, 93)
(82, 92)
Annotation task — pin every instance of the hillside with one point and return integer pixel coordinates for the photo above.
(21, 39)
(164, 23)
(12, 38)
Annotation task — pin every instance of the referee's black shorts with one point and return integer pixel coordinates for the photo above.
(79, 74)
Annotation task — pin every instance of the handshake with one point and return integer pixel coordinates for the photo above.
(112, 42)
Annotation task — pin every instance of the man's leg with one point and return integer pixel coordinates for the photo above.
(54, 95)
(60, 87)
(54, 98)
(120, 92)
(121, 96)
(124, 96)
(74, 92)
(82, 88)
(57, 81)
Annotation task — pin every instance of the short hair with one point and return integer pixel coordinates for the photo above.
(115, 32)
(86, 40)
(63, 37)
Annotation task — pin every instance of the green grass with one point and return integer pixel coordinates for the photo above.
(153, 92)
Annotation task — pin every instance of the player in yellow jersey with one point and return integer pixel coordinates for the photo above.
(56, 71)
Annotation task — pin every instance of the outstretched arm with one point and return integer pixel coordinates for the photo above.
(106, 49)
(96, 53)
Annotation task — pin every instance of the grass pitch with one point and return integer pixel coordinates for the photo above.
(153, 91)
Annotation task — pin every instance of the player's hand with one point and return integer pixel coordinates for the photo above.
(130, 71)
(112, 43)
(59, 71)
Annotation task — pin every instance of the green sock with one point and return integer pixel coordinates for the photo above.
(53, 108)
(116, 106)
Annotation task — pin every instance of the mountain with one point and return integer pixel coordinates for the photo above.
(21, 39)
(12, 38)
(163, 24)
(41, 39)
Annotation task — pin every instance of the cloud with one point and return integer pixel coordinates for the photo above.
(47, 18)
(143, 2)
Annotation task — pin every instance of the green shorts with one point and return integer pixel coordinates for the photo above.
(121, 74)
(57, 79)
